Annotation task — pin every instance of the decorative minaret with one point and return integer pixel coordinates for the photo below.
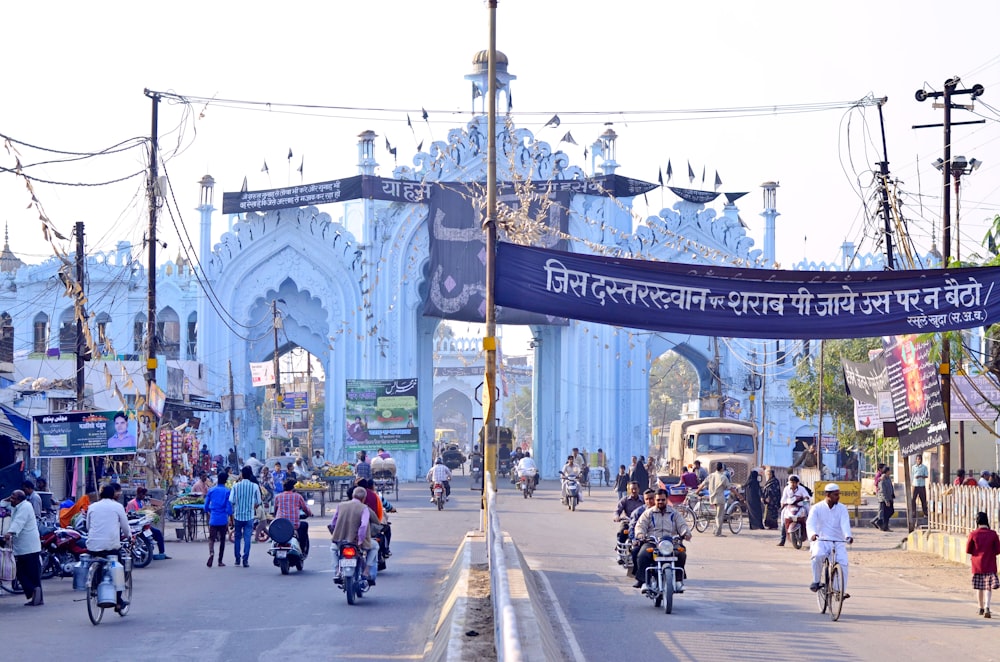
(770, 213)
(480, 82)
(609, 148)
(366, 153)
(205, 208)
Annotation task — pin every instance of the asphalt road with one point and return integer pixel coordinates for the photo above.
(184, 610)
(746, 599)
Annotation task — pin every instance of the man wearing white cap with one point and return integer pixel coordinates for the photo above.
(829, 526)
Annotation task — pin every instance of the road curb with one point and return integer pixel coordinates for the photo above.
(445, 641)
(946, 545)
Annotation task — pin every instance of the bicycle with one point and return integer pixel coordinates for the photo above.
(99, 573)
(831, 586)
(703, 513)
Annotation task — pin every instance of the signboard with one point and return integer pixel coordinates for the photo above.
(262, 374)
(916, 395)
(382, 413)
(77, 434)
(829, 444)
(850, 492)
(296, 400)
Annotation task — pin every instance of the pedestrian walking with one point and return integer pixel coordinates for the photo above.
(219, 509)
(23, 535)
(772, 500)
(984, 546)
(621, 482)
(886, 497)
(717, 484)
(244, 497)
(919, 474)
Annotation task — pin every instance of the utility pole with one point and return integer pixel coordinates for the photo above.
(232, 406)
(151, 186)
(277, 366)
(884, 187)
(490, 341)
(819, 435)
(309, 404)
(80, 383)
(950, 90)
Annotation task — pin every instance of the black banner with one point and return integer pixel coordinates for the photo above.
(865, 380)
(397, 190)
(916, 395)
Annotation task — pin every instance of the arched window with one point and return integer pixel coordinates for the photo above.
(6, 338)
(40, 336)
(102, 329)
(168, 333)
(67, 332)
(192, 336)
(139, 334)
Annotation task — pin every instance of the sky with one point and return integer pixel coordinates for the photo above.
(75, 77)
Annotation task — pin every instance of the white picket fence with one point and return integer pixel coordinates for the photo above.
(953, 508)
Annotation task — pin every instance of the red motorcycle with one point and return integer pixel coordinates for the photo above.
(795, 521)
(61, 548)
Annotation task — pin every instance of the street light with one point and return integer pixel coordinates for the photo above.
(959, 166)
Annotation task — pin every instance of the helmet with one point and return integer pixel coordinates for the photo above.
(831, 487)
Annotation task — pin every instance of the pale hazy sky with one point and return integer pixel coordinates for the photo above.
(75, 76)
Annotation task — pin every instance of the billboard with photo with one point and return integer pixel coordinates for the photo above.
(81, 433)
(382, 413)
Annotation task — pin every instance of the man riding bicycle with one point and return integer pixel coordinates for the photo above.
(107, 524)
(829, 527)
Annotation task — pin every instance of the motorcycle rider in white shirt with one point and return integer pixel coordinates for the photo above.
(793, 497)
(526, 463)
(440, 473)
(829, 527)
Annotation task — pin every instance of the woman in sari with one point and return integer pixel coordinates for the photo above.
(772, 500)
(751, 492)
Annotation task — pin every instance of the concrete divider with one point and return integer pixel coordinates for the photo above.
(446, 638)
(946, 545)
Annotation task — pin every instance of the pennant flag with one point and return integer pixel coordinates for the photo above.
(424, 113)
(289, 153)
(554, 121)
(408, 122)
(670, 170)
(245, 187)
(660, 178)
(388, 147)
(420, 146)
(510, 101)
(584, 153)
(264, 169)
(718, 180)
(703, 174)
(568, 138)
(302, 165)
(690, 173)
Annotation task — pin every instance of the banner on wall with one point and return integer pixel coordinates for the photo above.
(916, 395)
(79, 434)
(381, 413)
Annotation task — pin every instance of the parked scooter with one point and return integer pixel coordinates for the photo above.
(350, 567)
(142, 544)
(662, 580)
(285, 549)
(61, 548)
(571, 486)
(526, 481)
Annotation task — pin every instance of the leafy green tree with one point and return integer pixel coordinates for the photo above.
(518, 410)
(837, 404)
(672, 382)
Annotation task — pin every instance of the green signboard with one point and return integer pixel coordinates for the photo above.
(382, 413)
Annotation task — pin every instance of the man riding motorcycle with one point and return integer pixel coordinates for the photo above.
(649, 499)
(663, 523)
(439, 473)
(570, 470)
(793, 497)
(630, 502)
(526, 462)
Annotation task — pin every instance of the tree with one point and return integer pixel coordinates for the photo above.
(518, 411)
(837, 404)
(672, 382)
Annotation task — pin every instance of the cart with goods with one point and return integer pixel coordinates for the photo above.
(384, 476)
(340, 479)
(189, 511)
(309, 489)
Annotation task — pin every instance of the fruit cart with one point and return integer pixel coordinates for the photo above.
(384, 476)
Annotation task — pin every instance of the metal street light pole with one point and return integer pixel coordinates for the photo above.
(490, 341)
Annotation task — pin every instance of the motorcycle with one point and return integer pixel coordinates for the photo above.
(61, 549)
(142, 534)
(503, 467)
(526, 481)
(285, 549)
(623, 548)
(350, 564)
(572, 488)
(795, 521)
(438, 491)
(661, 577)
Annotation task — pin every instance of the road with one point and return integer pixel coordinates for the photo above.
(746, 598)
(184, 610)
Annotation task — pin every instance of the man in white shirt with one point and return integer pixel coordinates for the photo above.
(439, 473)
(793, 497)
(984, 479)
(107, 524)
(829, 527)
(526, 467)
(27, 547)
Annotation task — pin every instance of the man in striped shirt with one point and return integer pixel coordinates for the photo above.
(245, 497)
(287, 505)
